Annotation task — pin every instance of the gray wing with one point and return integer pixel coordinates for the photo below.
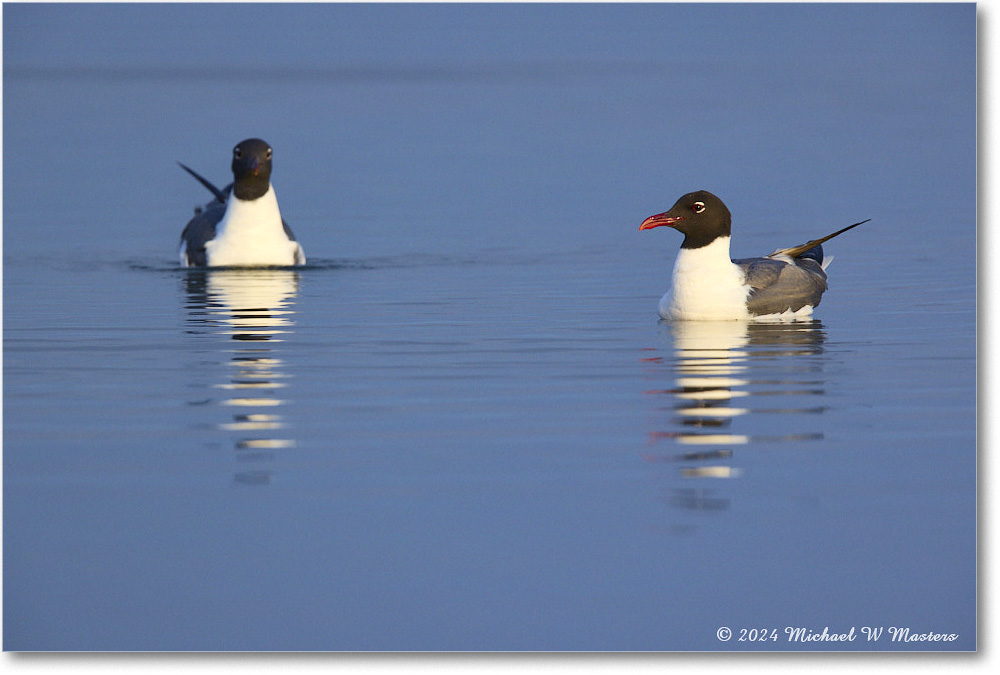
(777, 286)
(199, 231)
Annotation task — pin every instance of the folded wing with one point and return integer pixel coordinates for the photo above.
(777, 286)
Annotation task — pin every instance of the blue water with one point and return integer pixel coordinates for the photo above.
(461, 426)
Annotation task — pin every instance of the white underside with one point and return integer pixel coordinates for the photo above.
(803, 312)
(251, 234)
(708, 286)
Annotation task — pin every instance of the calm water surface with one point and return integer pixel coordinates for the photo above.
(461, 426)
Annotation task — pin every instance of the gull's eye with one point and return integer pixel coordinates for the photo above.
(269, 153)
(698, 207)
(237, 152)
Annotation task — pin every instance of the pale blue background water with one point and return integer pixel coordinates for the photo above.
(462, 426)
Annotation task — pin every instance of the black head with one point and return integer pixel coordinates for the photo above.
(251, 169)
(700, 216)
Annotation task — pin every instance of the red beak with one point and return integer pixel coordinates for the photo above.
(659, 219)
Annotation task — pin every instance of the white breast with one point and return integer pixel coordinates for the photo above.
(707, 285)
(251, 233)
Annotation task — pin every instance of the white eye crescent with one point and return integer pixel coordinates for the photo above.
(237, 153)
(698, 207)
(269, 153)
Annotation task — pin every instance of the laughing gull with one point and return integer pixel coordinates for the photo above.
(707, 284)
(242, 225)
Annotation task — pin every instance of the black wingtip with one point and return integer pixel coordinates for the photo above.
(850, 227)
(835, 234)
(839, 232)
(219, 194)
(797, 251)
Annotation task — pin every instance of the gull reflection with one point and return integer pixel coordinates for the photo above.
(709, 373)
(254, 310)
(717, 372)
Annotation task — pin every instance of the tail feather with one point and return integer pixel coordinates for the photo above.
(796, 251)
